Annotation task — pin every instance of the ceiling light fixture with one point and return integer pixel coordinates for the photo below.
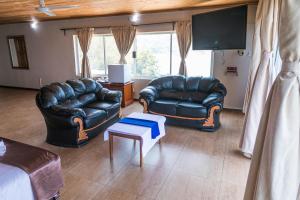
(34, 24)
(135, 17)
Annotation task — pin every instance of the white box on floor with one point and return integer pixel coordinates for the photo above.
(119, 73)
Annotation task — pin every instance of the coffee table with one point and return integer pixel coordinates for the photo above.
(134, 132)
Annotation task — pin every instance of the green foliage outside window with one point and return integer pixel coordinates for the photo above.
(146, 63)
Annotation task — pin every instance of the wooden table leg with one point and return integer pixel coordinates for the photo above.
(141, 152)
(111, 146)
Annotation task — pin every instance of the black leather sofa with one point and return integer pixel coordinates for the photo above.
(77, 110)
(192, 101)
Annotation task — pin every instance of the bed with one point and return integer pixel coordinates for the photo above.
(14, 179)
(33, 172)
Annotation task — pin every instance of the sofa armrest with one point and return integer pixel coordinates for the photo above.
(109, 95)
(115, 96)
(62, 117)
(213, 98)
(149, 94)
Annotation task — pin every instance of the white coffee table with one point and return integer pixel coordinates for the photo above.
(140, 133)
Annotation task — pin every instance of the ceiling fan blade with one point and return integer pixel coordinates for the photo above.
(62, 7)
(42, 3)
(49, 13)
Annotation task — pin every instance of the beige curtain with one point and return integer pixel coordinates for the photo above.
(184, 36)
(263, 75)
(124, 37)
(85, 36)
(263, 48)
(275, 167)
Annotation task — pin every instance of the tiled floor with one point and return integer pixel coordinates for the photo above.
(189, 165)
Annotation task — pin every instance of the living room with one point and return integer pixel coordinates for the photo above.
(78, 76)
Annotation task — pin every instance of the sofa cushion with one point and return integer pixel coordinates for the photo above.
(196, 97)
(170, 94)
(90, 85)
(191, 109)
(169, 83)
(93, 117)
(46, 98)
(71, 103)
(202, 84)
(178, 83)
(164, 106)
(68, 90)
(78, 86)
(110, 108)
(206, 84)
(87, 98)
(57, 91)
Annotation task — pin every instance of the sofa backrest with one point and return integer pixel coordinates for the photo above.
(188, 89)
(72, 93)
(169, 83)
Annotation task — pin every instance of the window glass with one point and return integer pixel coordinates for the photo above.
(152, 55)
(198, 62)
(111, 51)
(176, 59)
(96, 55)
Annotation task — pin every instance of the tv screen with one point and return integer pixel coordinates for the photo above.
(220, 30)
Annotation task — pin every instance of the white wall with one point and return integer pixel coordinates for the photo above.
(51, 54)
(236, 85)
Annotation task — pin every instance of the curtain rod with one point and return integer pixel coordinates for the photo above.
(100, 27)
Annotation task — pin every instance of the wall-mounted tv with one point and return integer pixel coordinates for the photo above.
(220, 30)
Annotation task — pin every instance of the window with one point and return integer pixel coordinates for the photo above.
(198, 62)
(103, 52)
(152, 54)
(157, 54)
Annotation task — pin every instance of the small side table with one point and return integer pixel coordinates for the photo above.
(125, 88)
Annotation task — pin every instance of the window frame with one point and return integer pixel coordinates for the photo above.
(134, 46)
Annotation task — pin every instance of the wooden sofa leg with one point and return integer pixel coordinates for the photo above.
(82, 134)
(210, 121)
(145, 105)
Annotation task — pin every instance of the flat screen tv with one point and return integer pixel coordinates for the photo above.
(220, 30)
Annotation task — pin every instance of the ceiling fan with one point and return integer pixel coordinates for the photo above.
(48, 9)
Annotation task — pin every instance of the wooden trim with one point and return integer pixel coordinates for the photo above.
(19, 88)
(161, 11)
(23, 58)
(178, 117)
(145, 105)
(82, 135)
(29, 20)
(210, 122)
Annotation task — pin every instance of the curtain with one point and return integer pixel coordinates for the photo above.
(184, 36)
(275, 167)
(263, 26)
(263, 75)
(124, 37)
(85, 36)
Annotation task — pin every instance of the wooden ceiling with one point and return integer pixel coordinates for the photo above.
(12, 11)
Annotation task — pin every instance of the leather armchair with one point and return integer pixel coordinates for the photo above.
(193, 101)
(77, 110)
